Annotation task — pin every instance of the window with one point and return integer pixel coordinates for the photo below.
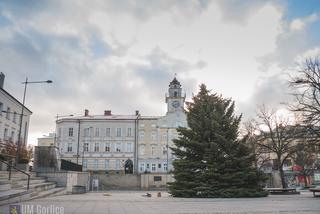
(1, 108)
(153, 125)
(153, 136)
(142, 167)
(141, 125)
(164, 137)
(129, 147)
(96, 134)
(141, 149)
(86, 147)
(106, 164)
(14, 117)
(157, 178)
(153, 167)
(107, 149)
(165, 167)
(117, 164)
(69, 147)
(159, 165)
(175, 94)
(96, 147)
(129, 134)
(70, 132)
(8, 113)
(118, 147)
(108, 131)
(85, 164)
(141, 135)
(153, 150)
(12, 136)
(164, 150)
(5, 134)
(95, 164)
(118, 132)
(86, 132)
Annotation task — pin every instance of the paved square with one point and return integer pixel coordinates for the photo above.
(121, 202)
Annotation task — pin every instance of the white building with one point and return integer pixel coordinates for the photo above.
(10, 116)
(123, 143)
(46, 140)
(98, 142)
(156, 133)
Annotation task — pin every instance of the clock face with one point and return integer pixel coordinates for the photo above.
(175, 104)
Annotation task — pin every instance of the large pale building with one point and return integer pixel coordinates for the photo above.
(46, 140)
(10, 116)
(123, 143)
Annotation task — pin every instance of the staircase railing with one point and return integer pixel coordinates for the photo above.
(10, 169)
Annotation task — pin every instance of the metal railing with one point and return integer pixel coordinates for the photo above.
(10, 170)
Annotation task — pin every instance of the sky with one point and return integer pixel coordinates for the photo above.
(120, 55)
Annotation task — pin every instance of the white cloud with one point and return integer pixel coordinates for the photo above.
(120, 55)
(300, 23)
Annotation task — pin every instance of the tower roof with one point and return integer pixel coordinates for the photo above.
(174, 83)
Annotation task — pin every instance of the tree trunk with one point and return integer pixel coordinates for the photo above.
(305, 179)
(283, 181)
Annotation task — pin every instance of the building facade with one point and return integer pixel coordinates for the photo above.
(47, 140)
(123, 143)
(10, 117)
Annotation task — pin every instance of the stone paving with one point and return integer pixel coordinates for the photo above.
(122, 202)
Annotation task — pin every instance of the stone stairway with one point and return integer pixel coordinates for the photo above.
(15, 189)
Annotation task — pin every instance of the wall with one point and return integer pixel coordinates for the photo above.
(148, 180)
(59, 177)
(121, 182)
(67, 179)
(79, 179)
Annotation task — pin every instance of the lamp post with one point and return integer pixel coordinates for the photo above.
(22, 112)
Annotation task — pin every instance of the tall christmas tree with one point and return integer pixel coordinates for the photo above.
(210, 160)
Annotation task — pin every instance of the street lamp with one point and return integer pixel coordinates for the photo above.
(22, 112)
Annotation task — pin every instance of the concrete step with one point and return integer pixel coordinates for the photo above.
(51, 192)
(5, 185)
(20, 183)
(19, 175)
(41, 186)
(13, 196)
(35, 191)
(23, 183)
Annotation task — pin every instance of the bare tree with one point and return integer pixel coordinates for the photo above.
(306, 85)
(277, 136)
(251, 138)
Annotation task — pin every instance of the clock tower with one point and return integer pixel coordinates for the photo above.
(175, 97)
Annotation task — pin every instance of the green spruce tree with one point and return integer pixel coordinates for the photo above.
(210, 160)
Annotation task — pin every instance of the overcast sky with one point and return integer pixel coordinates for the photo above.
(122, 54)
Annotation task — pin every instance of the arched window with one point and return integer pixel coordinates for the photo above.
(175, 94)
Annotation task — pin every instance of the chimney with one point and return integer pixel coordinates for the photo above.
(86, 112)
(1, 79)
(137, 112)
(107, 113)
